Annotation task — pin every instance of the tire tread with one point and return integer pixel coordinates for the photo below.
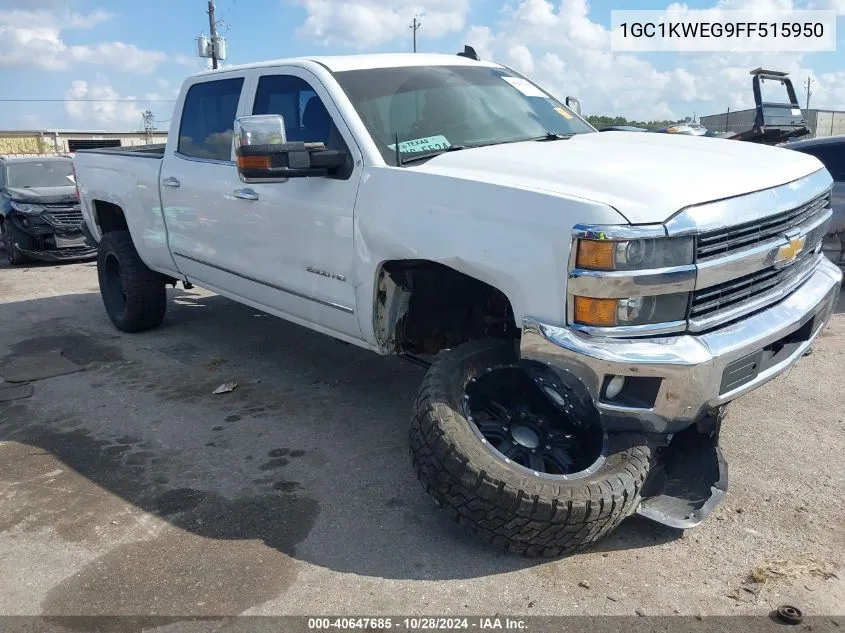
(146, 294)
(509, 509)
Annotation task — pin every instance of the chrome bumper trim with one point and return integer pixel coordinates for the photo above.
(690, 366)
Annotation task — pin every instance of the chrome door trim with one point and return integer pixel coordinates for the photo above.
(289, 291)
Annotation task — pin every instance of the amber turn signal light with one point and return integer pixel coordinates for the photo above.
(595, 312)
(253, 162)
(596, 254)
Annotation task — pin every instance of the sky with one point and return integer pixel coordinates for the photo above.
(58, 56)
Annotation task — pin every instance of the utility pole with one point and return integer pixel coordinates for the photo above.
(809, 93)
(149, 125)
(213, 28)
(414, 27)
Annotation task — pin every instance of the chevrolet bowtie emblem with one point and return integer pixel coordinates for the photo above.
(788, 252)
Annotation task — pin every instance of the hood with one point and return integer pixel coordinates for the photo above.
(43, 195)
(645, 177)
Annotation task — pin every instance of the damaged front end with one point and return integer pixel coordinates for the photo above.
(48, 232)
(689, 476)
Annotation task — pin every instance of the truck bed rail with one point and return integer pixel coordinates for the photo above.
(141, 151)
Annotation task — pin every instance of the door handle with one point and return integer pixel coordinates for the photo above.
(245, 194)
(171, 182)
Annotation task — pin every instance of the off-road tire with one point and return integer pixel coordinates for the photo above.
(498, 502)
(144, 294)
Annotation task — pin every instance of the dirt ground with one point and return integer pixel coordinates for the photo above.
(129, 488)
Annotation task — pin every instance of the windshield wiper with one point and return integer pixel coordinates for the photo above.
(417, 156)
(553, 136)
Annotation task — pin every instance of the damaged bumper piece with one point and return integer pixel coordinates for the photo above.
(675, 387)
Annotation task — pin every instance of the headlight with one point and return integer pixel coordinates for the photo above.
(24, 207)
(631, 311)
(662, 252)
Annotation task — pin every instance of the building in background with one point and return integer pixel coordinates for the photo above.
(821, 122)
(53, 142)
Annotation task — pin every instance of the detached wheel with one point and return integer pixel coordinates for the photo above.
(135, 297)
(512, 467)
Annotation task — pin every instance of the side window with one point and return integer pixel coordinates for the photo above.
(208, 119)
(306, 117)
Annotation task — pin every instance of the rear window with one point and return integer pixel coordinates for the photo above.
(208, 119)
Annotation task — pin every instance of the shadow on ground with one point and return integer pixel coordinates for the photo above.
(308, 454)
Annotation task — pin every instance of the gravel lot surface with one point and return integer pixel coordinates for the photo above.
(127, 487)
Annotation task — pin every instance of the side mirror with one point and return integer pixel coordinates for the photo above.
(264, 154)
(574, 104)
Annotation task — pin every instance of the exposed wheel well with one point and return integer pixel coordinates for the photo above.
(423, 307)
(109, 217)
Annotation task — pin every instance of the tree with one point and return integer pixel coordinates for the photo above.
(599, 121)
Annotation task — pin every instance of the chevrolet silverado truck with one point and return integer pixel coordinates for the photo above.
(585, 303)
(40, 218)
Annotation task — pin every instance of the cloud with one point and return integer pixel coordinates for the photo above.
(362, 24)
(33, 38)
(564, 49)
(100, 106)
(127, 57)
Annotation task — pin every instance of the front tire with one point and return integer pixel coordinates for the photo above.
(13, 255)
(134, 296)
(486, 473)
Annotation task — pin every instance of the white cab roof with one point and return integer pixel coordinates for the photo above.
(339, 63)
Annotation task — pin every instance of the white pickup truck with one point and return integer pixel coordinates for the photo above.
(586, 303)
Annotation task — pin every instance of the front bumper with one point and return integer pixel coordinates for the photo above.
(73, 254)
(687, 375)
(38, 239)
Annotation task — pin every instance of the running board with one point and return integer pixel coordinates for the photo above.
(688, 482)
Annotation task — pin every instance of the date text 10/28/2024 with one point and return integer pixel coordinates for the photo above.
(418, 624)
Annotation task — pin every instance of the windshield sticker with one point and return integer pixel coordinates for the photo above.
(427, 144)
(525, 87)
(796, 112)
(563, 113)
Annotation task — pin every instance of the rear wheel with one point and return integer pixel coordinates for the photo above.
(513, 467)
(134, 296)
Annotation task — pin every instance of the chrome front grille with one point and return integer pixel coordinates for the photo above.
(726, 240)
(708, 301)
(751, 277)
(63, 216)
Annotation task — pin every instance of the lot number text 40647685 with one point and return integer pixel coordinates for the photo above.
(422, 623)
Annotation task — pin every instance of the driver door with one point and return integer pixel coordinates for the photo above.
(299, 233)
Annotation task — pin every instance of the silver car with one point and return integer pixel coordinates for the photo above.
(830, 150)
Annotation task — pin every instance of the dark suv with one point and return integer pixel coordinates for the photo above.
(830, 150)
(40, 217)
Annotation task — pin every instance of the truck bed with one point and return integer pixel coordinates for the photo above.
(141, 151)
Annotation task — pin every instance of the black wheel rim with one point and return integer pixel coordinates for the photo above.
(520, 424)
(114, 293)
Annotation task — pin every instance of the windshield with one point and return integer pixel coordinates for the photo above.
(435, 108)
(49, 173)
